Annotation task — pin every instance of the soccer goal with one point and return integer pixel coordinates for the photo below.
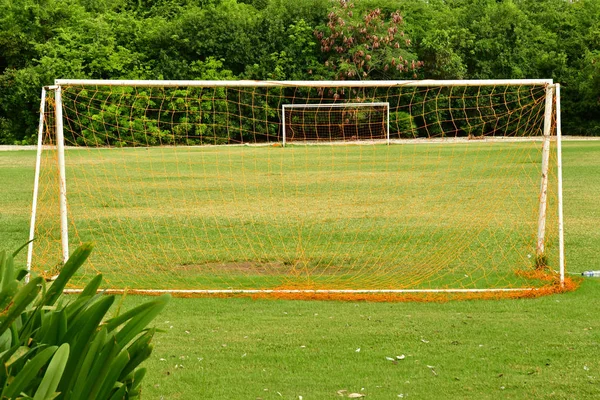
(330, 123)
(431, 186)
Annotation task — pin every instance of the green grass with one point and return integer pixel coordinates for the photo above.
(245, 349)
(236, 348)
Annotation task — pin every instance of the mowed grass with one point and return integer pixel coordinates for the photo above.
(358, 217)
(271, 349)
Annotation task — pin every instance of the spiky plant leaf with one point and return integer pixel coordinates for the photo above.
(53, 374)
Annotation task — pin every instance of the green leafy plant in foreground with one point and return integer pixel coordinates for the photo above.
(54, 347)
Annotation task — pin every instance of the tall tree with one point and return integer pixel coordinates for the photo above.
(369, 45)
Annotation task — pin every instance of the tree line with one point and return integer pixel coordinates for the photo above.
(42, 40)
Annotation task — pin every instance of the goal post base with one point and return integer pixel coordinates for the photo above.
(384, 295)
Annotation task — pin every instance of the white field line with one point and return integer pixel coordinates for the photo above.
(5, 147)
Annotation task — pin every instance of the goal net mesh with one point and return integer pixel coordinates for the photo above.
(190, 188)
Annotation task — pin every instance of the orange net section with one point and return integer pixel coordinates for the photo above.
(374, 188)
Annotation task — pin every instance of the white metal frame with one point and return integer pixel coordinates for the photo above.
(386, 105)
(552, 92)
(308, 291)
(561, 232)
(60, 148)
(319, 84)
(38, 159)
(540, 246)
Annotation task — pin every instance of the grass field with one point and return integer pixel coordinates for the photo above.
(405, 216)
(270, 349)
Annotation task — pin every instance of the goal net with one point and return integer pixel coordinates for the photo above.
(382, 188)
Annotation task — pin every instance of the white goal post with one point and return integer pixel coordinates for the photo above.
(202, 129)
(329, 108)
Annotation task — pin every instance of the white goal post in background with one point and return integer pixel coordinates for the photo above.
(339, 110)
(186, 127)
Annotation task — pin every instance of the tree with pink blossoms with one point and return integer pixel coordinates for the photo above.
(368, 45)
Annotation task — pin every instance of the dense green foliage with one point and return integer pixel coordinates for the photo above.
(54, 349)
(41, 40)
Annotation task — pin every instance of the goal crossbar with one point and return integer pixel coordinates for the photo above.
(251, 83)
(336, 105)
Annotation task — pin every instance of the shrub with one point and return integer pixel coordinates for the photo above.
(64, 347)
(403, 124)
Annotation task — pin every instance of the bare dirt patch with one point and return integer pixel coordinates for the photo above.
(269, 268)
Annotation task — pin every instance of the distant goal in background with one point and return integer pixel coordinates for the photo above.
(335, 122)
(336, 189)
